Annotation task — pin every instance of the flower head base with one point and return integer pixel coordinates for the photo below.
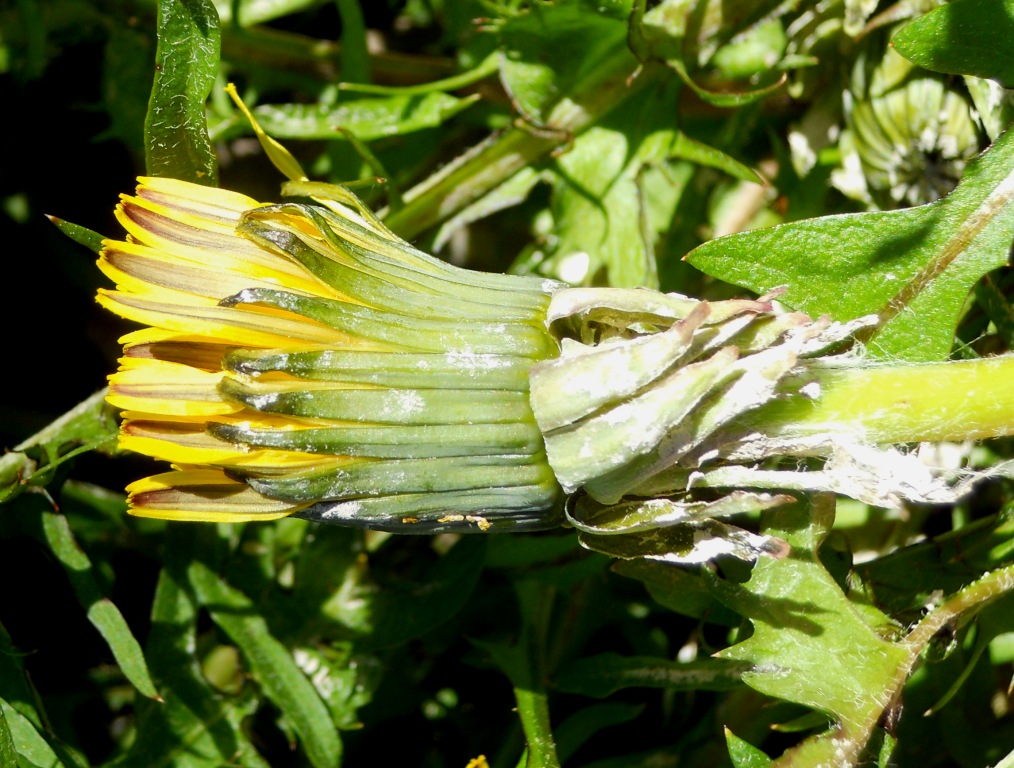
(302, 359)
(646, 403)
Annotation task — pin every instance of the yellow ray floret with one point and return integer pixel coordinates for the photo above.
(189, 443)
(170, 389)
(203, 495)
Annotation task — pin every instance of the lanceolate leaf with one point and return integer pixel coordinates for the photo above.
(367, 118)
(102, 613)
(698, 152)
(28, 747)
(963, 37)
(272, 665)
(20, 716)
(195, 727)
(176, 141)
(913, 267)
(607, 673)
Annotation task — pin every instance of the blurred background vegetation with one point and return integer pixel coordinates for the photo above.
(595, 142)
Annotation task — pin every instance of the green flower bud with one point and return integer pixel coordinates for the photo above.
(909, 133)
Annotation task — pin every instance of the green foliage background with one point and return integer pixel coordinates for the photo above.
(595, 142)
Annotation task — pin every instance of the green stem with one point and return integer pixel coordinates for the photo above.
(533, 709)
(533, 705)
(972, 598)
(321, 59)
(355, 57)
(89, 425)
(900, 403)
(489, 164)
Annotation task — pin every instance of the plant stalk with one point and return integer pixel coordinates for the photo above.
(900, 403)
(529, 690)
(491, 163)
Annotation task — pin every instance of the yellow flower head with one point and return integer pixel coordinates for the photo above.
(302, 359)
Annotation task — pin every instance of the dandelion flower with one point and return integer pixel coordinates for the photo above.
(301, 359)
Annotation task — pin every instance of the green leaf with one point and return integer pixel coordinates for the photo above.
(368, 118)
(355, 56)
(105, 616)
(81, 235)
(811, 644)
(7, 754)
(603, 675)
(176, 143)
(686, 35)
(195, 727)
(963, 37)
(549, 49)
(512, 192)
(730, 98)
(887, 751)
(913, 267)
(744, 754)
(606, 228)
(754, 52)
(271, 664)
(683, 590)
(698, 152)
(599, 90)
(30, 749)
(485, 68)
(20, 706)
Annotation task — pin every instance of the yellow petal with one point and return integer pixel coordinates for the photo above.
(157, 387)
(246, 326)
(141, 269)
(203, 495)
(203, 201)
(206, 242)
(182, 443)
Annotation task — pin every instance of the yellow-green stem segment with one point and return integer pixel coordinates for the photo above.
(900, 403)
